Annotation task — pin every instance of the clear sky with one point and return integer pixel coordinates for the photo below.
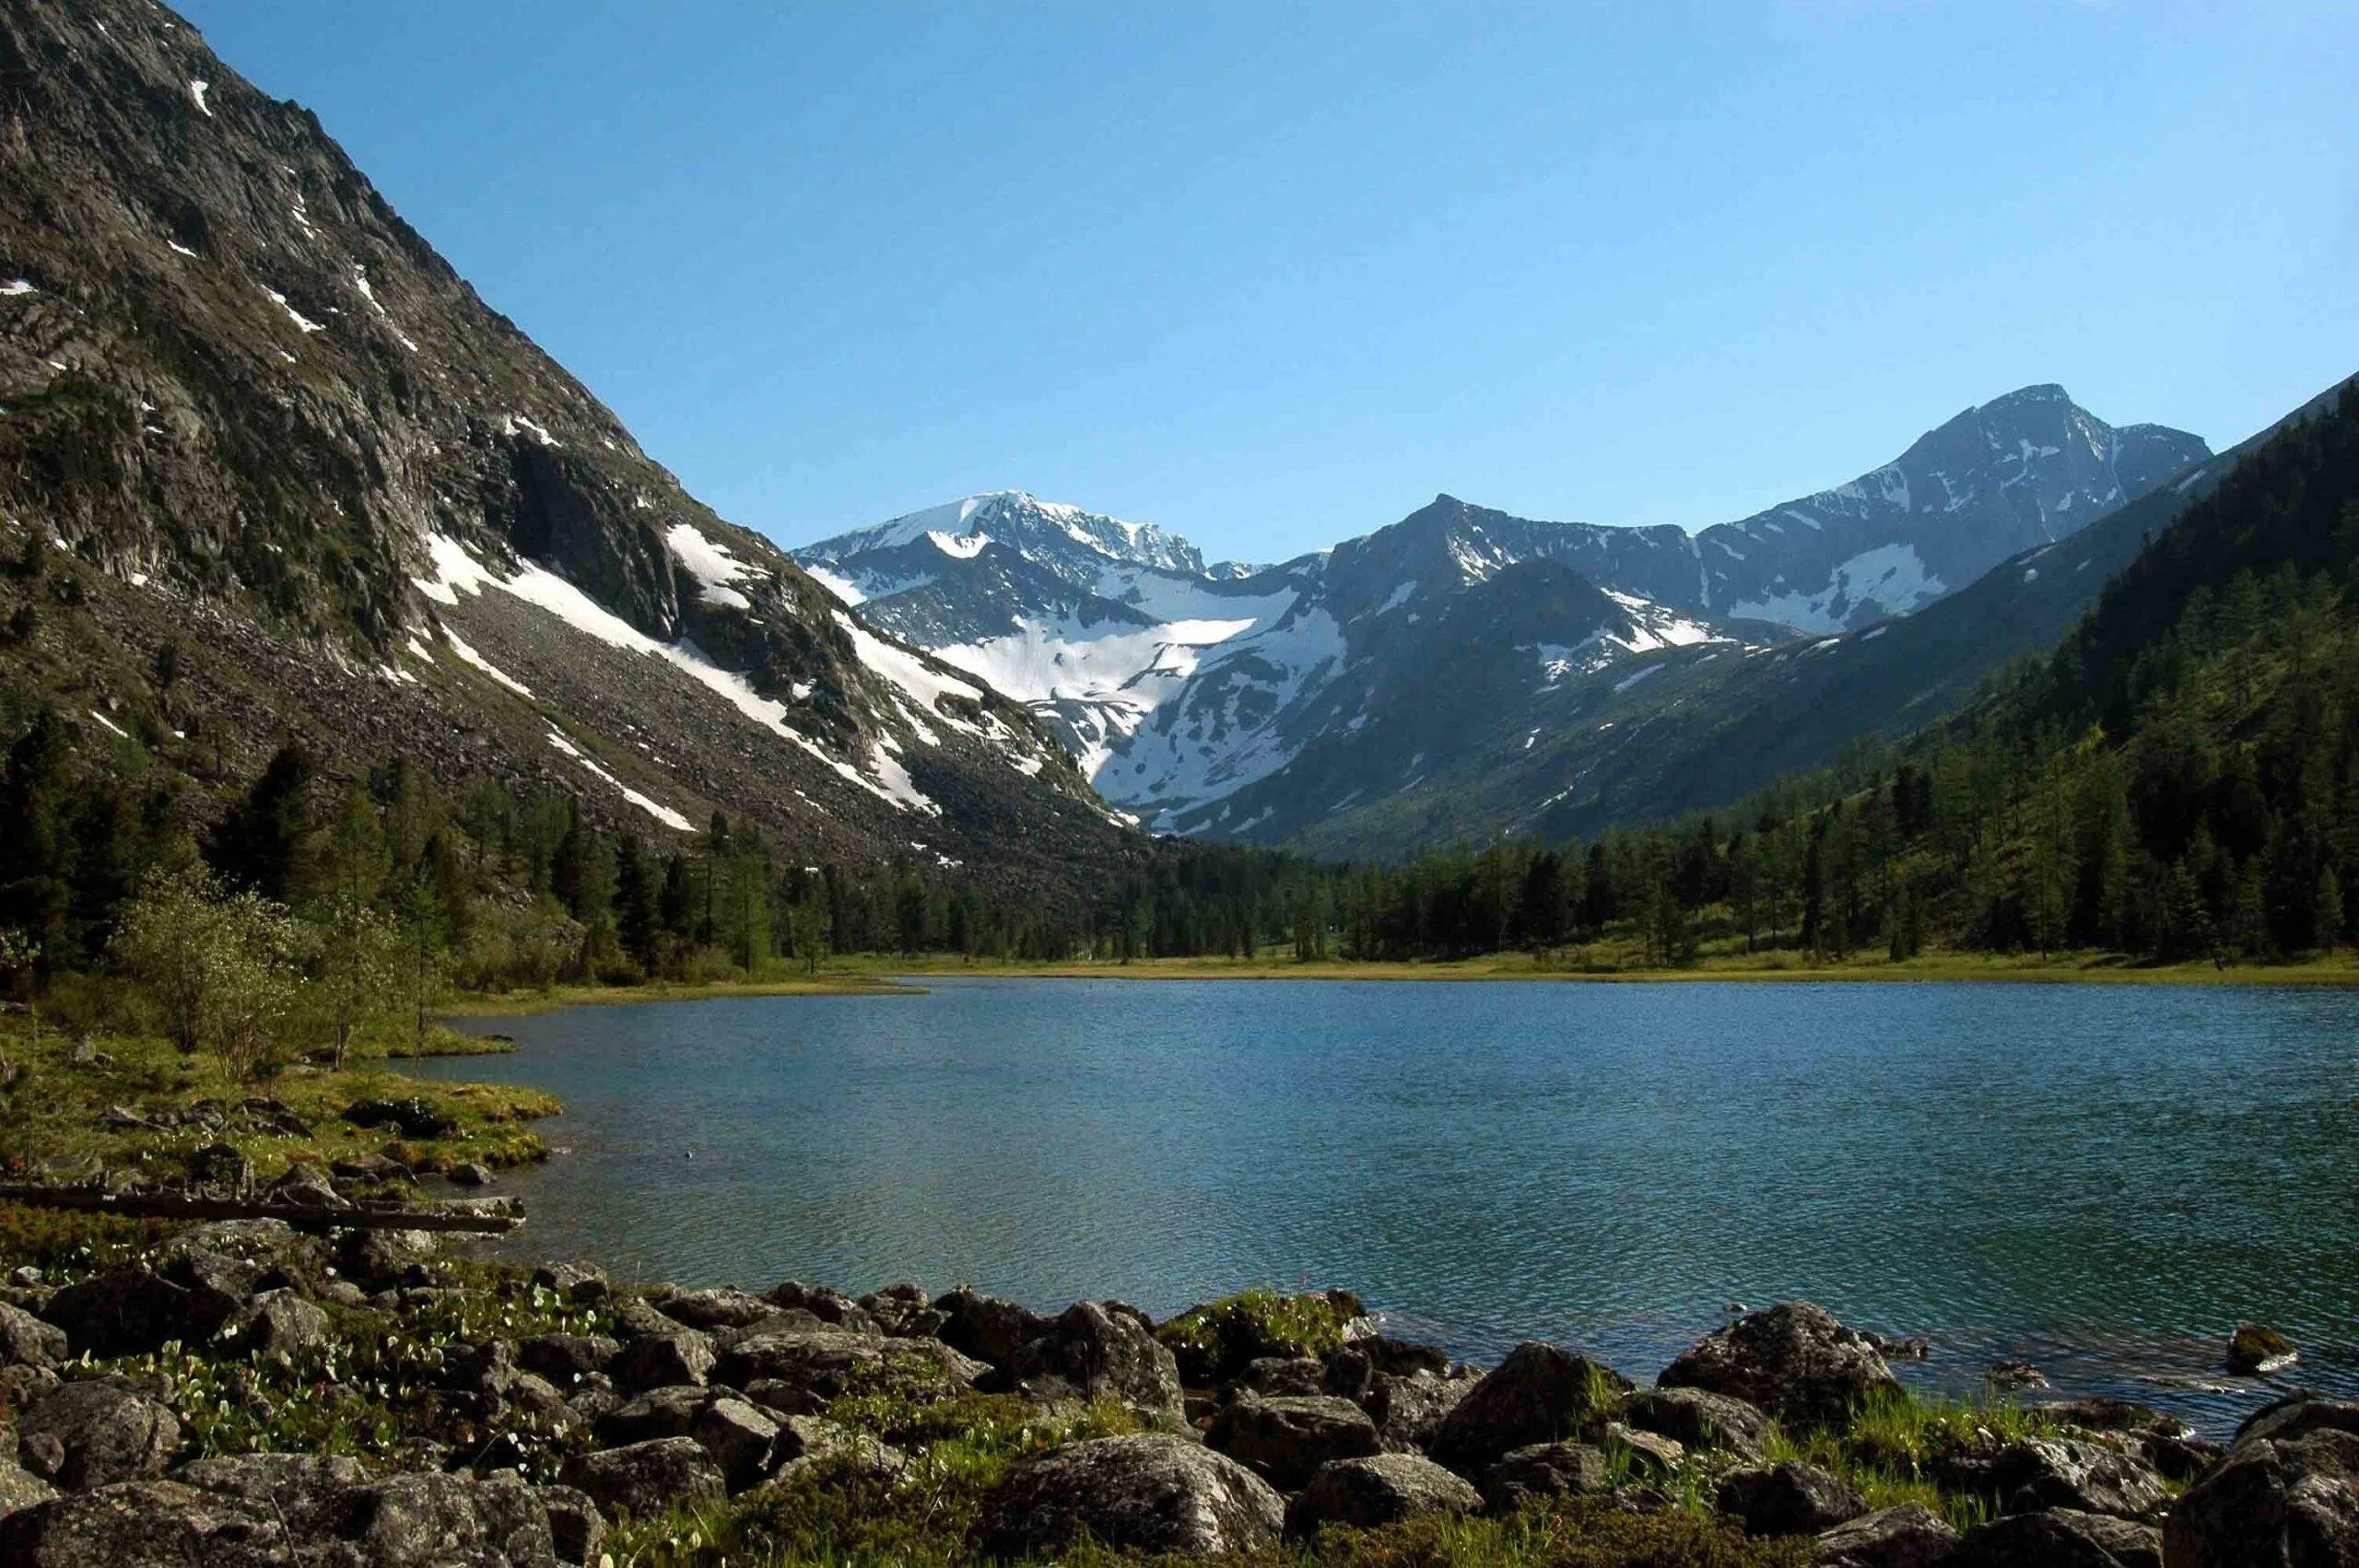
(1272, 275)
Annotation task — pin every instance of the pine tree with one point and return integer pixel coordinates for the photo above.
(264, 843)
(352, 862)
(676, 907)
(34, 789)
(636, 925)
(572, 873)
(2326, 909)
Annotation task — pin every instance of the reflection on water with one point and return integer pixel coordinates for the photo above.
(2101, 1180)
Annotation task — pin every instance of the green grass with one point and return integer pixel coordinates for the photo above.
(1897, 1448)
(52, 1113)
(864, 978)
(374, 1389)
(1215, 1339)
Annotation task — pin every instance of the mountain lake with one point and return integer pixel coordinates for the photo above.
(2101, 1180)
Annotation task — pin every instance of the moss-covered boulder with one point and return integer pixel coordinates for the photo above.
(1538, 1394)
(1213, 1342)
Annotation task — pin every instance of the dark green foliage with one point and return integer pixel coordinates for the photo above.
(35, 845)
(261, 843)
(635, 917)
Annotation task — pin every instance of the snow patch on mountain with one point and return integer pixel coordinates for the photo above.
(921, 689)
(457, 571)
(1223, 733)
(1101, 685)
(1891, 580)
(653, 808)
(470, 655)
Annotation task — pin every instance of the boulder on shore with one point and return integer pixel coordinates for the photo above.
(128, 1311)
(1789, 1499)
(1092, 1350)
(2288, 1493)
(647, 1478)
(801, 1371)
(1538, 1394)
(1795, 1361)
(275, 1323)
(270, 1510)
(25, 1341)
(564, 1359)
(1910, 1536)
(741, 1439)
(1543, 1472)
(2062, 1538)
(1379, 1490)
(989, 1329)
(19, 1488)
(1702, 1419)
(2070, 1472)
(663, 1360)
(1155, 1493)
(2296, 1415)
(153, 1524)
(80, 1435)
(1284, 1439)
(1409, 1407)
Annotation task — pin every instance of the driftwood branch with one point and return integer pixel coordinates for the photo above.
(175, 1206)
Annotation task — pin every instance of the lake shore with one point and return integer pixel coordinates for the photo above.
(884, 971)
(282, 1381)
(887, 974)
(524, 1003)
(286, 1388)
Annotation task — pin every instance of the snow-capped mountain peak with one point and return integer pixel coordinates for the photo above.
(1045, 531)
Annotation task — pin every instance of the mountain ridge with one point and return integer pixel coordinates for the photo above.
(242, 393)
(1183, 693)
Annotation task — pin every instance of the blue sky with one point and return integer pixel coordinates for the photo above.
(1274, 274)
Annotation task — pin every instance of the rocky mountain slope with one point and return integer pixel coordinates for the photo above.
(250, 414)
(1461, 642)
(2019, 472)
(1692, 728)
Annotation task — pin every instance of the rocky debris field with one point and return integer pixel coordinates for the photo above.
(242, 1392)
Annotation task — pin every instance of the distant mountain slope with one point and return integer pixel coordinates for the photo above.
(1265, 706)
(1700, 727)
(255, 414)
(1177, 686)
(2019, 472)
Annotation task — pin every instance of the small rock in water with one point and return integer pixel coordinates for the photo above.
(2255, 1351)
(470, 1174)
(2014, 1375)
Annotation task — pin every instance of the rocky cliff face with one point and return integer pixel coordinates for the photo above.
(245, 401)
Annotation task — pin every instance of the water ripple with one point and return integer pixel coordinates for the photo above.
(2100, 1180)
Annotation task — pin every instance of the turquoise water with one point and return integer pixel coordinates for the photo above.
(2102, 1180)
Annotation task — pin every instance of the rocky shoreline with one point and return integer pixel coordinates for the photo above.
(244, 1392)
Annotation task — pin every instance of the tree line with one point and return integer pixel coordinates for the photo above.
(2179, 779)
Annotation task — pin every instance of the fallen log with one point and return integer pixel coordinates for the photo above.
(178, 1206)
